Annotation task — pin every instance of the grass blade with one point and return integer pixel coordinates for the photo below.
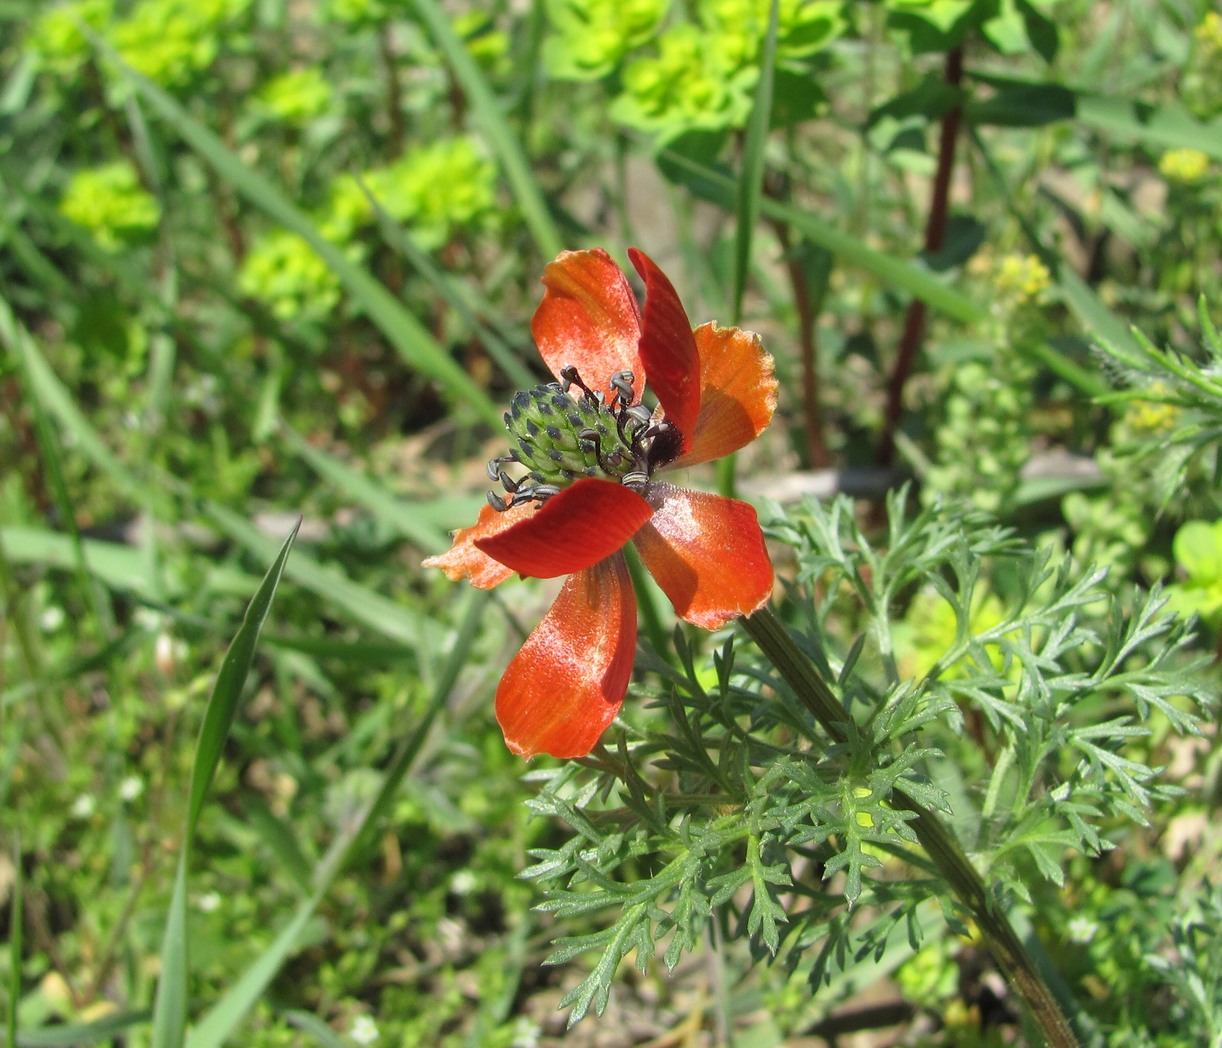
(123, 568)
(466, 303)
(363, 604)
(893, 271)
(73, 1035)
(1099, 321)
(489, 115)
(1091, 383)
(16, 947)
(409, 337)
(52, 395)
(170, 1008)
(402, 518)
(1160, 127)
(170, 1005)
(214, 1028)
(750, 185)
(49, 453)
(1085, 304)
(275, 834)
(218, 1024)
(26, 252)
(357, 652)
(315, 1028)
(16, 616)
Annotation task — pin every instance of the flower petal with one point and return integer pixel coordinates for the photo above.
(567, 683)
(707, 553)
(589, 318)
(668, 350)
(465, 560)
(572, 530)
(737, 392)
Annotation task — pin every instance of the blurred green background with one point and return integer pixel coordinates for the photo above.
(262, 259)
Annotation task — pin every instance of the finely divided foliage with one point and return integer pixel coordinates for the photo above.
(739, 810)
(1186, 389)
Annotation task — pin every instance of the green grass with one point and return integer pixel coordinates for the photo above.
(232, 819)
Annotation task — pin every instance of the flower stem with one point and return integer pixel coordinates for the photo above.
(646, 599)
(775, 641)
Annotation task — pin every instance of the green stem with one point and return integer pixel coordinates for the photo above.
(16, 942)
(775, 641)
(1005, 760)
(647, 604)
(726, 475)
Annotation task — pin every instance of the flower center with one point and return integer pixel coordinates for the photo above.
(560, 438)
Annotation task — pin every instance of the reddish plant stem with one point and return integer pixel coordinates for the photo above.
(935, 235)
(812, 410)
(222, 191)
(394, 92)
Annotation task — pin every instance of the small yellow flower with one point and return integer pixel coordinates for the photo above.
(1022, 279)
(959, 1015)
(98, 1010)
(1150, 416)
(1185, 166)
(56, 993)
(1209, 33)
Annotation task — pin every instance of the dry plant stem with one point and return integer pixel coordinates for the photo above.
(774, 640)
(935, 235)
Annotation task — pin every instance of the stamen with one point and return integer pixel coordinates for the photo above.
(637, 414)
(656, 430)
(493, 469)
(572, 378)
(636, 480)
(621, 387)
(595, 438)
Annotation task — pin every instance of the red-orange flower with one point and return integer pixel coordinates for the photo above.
(591, 459)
